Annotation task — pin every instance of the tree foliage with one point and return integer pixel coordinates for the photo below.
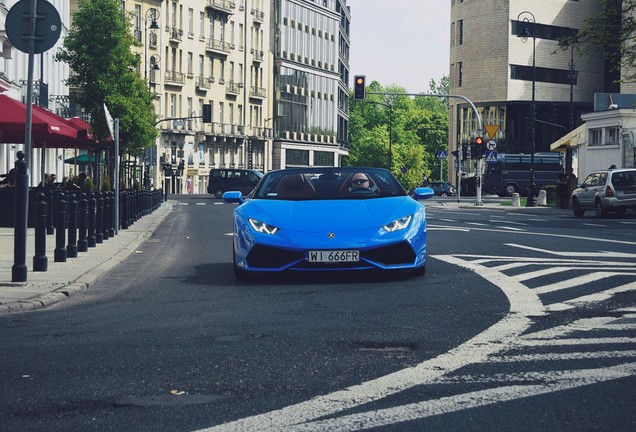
(412, 130)
(98, 50)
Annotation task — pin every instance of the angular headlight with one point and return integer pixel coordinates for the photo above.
(262, 227)
(399, 224)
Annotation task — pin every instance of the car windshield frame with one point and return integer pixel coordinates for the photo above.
(327, 183)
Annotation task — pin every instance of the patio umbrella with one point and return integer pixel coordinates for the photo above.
(83, 159)
(46, 126)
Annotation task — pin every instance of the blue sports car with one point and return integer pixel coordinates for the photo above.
(327, 219)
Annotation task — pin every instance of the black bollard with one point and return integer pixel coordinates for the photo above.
(60, 229)
(106, 219)
(92, 209)
(82, 243)
(111, 197)
(21, 209)
(40, 261)
(99, 220)
(50, 212)
(71, 248)
(124, 209)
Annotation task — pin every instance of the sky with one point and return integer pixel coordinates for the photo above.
(402, 42)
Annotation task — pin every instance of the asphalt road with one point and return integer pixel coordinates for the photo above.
(522, 322)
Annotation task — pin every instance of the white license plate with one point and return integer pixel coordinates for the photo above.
(333, 256)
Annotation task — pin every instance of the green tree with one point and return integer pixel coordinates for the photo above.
(418, 131)
(98, 50)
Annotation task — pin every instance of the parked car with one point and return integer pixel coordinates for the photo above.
(611, 190)
(226, 179)
(329, 219)
(442, 188)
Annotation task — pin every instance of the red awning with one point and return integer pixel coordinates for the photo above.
(45, 125)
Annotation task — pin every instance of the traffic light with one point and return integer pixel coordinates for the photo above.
(359, 87)
(207, 113)
(478, 149)
(181, 167)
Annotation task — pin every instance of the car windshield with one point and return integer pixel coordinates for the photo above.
(328, 183)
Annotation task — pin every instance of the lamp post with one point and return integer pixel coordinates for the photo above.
(524, 33)
(151, 14)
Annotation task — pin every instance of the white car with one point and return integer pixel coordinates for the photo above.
(604, 191)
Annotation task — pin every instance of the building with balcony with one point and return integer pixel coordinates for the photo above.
(493, 67)
(311, 74)
(213, 52)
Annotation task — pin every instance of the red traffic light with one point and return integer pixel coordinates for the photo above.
(479, 141)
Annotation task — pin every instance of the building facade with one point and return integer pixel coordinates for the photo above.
(501, 73)
(310, 79)
(212, 53)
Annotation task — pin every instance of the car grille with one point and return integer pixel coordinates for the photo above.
(272, 257)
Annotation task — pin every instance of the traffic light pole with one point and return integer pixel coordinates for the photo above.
(480, 128)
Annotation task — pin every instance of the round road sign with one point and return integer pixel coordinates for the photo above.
(48, 26)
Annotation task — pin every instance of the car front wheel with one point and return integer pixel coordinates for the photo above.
(600, 210)
(576, 208)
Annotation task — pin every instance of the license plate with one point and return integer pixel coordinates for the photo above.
(333, 256)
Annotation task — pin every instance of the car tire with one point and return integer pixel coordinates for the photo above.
(510, 189)
(218, 193)
(600, 210)
(576, 208)
(444, 194)
(239, 275)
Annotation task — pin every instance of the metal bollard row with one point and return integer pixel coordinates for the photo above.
(80, 221)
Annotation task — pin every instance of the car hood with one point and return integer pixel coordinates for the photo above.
(345, 215)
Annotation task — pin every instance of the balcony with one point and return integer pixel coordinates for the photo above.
(258, 55)
(233, 88)
(217, 46)
(259, 16)
(224, 6)
(174, 34)
(257, 92)
(173, 78)
(203, 83)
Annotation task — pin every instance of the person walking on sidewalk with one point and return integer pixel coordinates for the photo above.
(561, 190)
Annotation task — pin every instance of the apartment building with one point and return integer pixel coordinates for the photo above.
(195, 53)
(310, 79)
(493, 67)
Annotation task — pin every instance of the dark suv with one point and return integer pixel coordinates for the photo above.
(442, 188)
(232, 179)
(604, 191)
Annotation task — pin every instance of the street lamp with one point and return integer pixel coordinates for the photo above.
(524, 33)
(151, 14)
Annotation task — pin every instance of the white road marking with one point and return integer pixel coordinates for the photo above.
(523, 305)
(599, 254)
(505, 335)
(591, 298)
(576, 281)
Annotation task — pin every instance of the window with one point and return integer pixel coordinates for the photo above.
(595, 137)
(460, 31)
(613, 136)
(459, 74)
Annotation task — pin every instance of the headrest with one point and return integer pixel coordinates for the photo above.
(294, 182)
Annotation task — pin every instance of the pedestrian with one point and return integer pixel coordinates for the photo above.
(424, 181)
(9, 179)
(561, 190)
(571, 184)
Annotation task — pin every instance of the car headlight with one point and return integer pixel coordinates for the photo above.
(262, 227)
(399, 224)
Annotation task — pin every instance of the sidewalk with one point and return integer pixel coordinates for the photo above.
(469, 203)
(62, 279)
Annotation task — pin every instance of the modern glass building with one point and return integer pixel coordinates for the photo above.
(311, 72)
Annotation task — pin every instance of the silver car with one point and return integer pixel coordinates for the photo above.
(606, 191)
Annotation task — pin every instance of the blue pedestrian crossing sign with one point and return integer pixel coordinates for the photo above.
(441, 154)
(491, 156)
